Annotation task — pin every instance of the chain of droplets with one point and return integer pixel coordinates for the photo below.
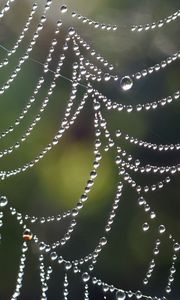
(45, 102)
(6, 8)
(124, 165)
(147, 168)
(139, 188)
(121, 294)
(93, 256)
(134, 28)
(20, 275)
(25, 57)
(65, 125)
(152, 263)
(21, 37)
(65, 287)
(147, 145)
(36, 91)
(175, 247)
(112, 105)
(103, 241)
(127, 81)
(137, 298)
(162, 230)
(44, 277)
(75, 211)
(86, 277)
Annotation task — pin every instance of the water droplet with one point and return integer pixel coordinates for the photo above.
(103, 241)
(168, 289)
(145, 227)
(27, 235)
(162, 229)
(176, 247)
(53, 256)
(107, 77)
(68, 265)
(63, 9)
(120, 295)
(141, 201)
(138, 295)
(42, 246)
(71, 31)
(126, 83)
(85, 277)
(3, 201)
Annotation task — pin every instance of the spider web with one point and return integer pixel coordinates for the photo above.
(89, 75)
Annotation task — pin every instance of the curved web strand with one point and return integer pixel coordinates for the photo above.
(38, 87)
(134, 28)
(6, 8)
(130, 77)
(147, 145)
(149, 106)
(25, 57)
(44, 105)
(65, 125)
(21, 272)
(25, 30)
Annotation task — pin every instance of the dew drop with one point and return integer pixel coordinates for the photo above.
(168, 289)
(63, 9)
(130, 294)
(53, 256)
(126, 83)
(3, 201)
(85, 277)
(107, 77)
(145, 227)
(120, 295)
(71, 31)
(162, 229)
(103, 241)
(141, 201)
(176, 247)
(138, 295)
(42, 246)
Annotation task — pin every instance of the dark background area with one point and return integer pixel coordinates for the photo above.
(56, 183)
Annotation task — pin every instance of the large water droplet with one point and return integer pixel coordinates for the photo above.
(3, 201)
(120, 295)
(126, 83)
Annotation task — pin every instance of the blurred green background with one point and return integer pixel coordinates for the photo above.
(56, 183)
